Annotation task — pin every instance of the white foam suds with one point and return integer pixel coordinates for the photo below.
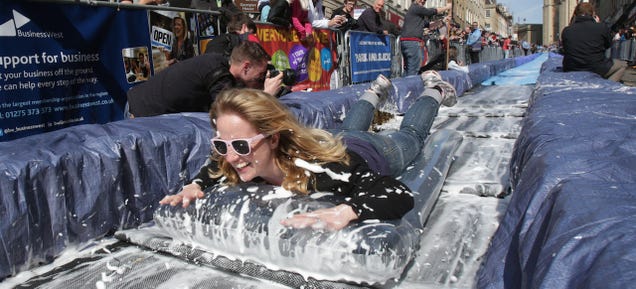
(319, 169)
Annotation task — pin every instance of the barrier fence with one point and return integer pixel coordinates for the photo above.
(624, 50)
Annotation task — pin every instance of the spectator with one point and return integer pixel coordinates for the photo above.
(525, 46)
(584, 43)
(182, 46)
(493, 40)
(347, 11)
(474, 43)
(258, 138)
(191, 85)
(228, 12)
(237, 32)
(412, 41)
(317, 18)
(456, 34)
(252, 31)
(371, 19)
(264, 7)
(300, 20)
(280, 13)
(506, 47)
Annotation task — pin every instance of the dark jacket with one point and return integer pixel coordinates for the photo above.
(280, 13)
(370, 195)
(417, 18)
(187, 86)
(370, 21)
(351, 23)
(187, 51)
(584, 45)
(223, 44)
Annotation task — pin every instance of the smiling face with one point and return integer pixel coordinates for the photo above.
(178, 27)
(349, 5)
(378, 5)
(260, 162)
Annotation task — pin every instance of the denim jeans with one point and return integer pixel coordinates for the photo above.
(399, 147)
(127, 113)
(413, 56)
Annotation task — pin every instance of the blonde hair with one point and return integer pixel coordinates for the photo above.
(296, 141)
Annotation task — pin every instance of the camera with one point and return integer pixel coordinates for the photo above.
(289, 75)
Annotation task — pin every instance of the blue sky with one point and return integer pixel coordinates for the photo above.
(531, 10)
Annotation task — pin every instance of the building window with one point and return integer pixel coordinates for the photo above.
(487, 13)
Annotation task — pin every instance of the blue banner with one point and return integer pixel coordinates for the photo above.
(370, 56)
(67, 64)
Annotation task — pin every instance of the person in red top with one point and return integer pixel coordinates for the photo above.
(300, 20)
(251, 32)
(240, 28)
(506, 47)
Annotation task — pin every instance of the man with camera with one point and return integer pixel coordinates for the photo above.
(192, 85)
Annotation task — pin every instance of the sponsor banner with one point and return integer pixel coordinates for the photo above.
(370, 55)
(312, 63)
(66, 64)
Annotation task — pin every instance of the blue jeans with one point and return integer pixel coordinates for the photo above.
(413, 56)
(127, 113)
(399, 147)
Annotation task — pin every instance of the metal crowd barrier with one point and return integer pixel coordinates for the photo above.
(432, 51)
(488, 53)
(624, 50)
(346, 69)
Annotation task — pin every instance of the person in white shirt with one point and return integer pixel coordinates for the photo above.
(317, 16)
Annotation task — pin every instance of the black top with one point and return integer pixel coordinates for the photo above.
(584, 45)
(187, 51)
(280, 13)
(186, 86)
(370, 21)
(351, 22)
(371, 195)
(223, 44)
(415, 20)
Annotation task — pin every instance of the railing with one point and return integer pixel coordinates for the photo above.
(624, 50)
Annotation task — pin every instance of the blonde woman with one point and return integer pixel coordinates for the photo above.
(259, 140)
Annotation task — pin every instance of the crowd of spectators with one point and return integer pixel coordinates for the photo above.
(625, 34)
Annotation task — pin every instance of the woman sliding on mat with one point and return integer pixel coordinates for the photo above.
(258, 139)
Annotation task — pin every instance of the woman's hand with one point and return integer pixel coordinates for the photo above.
(188, 194)
(331, 219)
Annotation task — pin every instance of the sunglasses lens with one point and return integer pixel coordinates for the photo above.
(220, 147)
(241, 147)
